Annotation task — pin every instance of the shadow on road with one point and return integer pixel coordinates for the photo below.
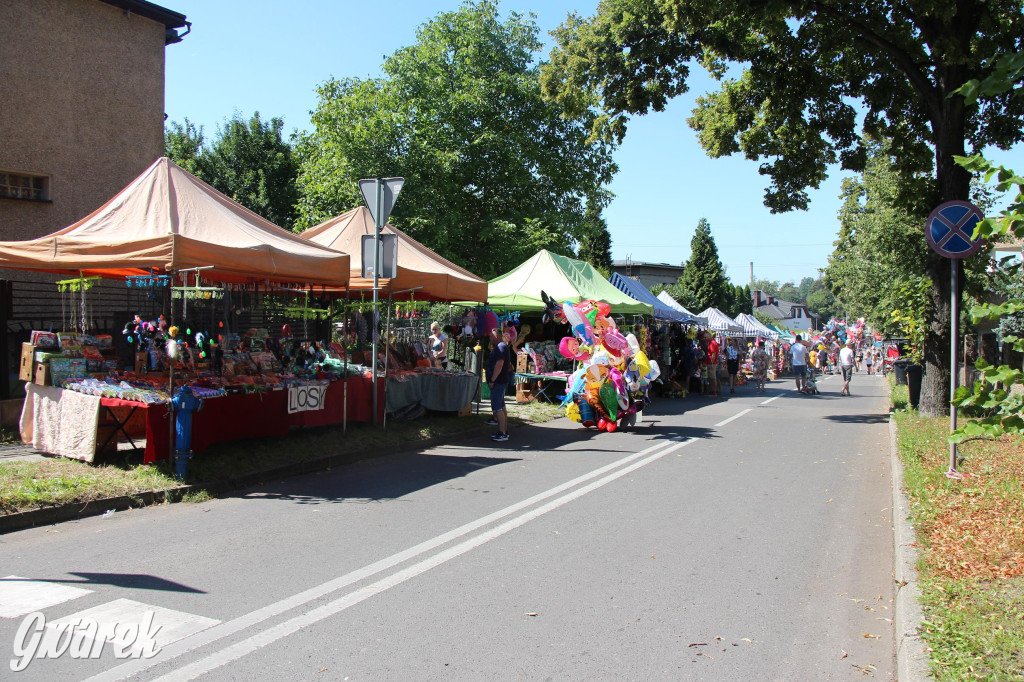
(858, 418)
(138, 581)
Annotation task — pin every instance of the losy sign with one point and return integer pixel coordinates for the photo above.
(305, 398)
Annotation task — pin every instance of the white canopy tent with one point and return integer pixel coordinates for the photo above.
(674, 304)
(753, 327)
(721, 323)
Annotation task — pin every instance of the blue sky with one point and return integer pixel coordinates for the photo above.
(258, 55)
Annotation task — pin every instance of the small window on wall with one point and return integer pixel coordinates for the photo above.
(24, 186)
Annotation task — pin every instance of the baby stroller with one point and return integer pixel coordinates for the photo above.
(810, 384)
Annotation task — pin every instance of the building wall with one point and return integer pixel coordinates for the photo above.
(650, 274)
(83, 104)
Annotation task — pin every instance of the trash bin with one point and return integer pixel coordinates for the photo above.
(900, 368)
(913, 373)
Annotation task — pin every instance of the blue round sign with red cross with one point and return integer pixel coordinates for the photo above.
(950, 229)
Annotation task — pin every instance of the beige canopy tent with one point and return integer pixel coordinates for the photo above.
(428, 274)
(169, 220)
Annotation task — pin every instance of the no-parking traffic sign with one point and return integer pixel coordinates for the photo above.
(950, 229)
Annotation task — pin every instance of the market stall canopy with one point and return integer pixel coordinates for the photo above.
(753, 327)
(561, 278)
(432, 276)
(168, 219)
(721, 323)
(665, 298)
(634, 289)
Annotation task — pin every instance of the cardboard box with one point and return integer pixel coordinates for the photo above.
(521, 361)
(42, 374)
(465, 411)
(27, 371)
(525, 393)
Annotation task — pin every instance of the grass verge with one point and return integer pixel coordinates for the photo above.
(27, 485)
(971, 535)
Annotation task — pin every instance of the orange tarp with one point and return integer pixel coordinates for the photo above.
(419, 268)
(168, 219)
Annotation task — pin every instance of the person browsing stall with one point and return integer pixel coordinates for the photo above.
(499, 372)
(438, 343)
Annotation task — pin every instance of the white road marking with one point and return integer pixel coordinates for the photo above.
(21, 596)
(169, 625)
(289, 627)
(258, 616)
(765, 402)
(734, 417)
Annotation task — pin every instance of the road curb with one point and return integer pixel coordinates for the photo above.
(912, 658)
(47, 516)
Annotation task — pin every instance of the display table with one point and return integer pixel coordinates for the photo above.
(439, 392)
(260, 415)
(545, 383)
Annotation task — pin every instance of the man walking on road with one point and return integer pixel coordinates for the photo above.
(847, 362)
(798, 351)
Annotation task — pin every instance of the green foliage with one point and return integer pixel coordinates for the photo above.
(763, 318)
(805, 69)
(595, 244)
(994, 393)
(703, 283)
(249, 161)
(813, 78)
(908, 314)
(493, 171)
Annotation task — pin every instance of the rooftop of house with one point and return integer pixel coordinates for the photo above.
(170, 19)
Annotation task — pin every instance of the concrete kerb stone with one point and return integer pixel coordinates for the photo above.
(47, 516)
(912, 658)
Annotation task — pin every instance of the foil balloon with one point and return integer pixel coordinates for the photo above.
(614, 341)
(634, 345)
(580, 326)
(569, 347)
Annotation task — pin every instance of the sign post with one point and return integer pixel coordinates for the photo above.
(950, 232)
(380, 195)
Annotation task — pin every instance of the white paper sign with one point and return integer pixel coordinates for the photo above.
(305, 398)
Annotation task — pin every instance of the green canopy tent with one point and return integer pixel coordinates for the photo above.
(561, 278)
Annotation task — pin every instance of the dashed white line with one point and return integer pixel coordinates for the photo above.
(735, 416)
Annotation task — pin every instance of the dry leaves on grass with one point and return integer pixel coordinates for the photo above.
(978, 527)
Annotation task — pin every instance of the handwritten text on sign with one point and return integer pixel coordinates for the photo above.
(304, 398)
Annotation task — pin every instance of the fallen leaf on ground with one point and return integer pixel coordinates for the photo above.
(747, 640)
(534, 613)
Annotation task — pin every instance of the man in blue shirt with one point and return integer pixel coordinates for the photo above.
(498, 373)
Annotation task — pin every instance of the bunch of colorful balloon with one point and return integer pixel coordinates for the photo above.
(611, 384)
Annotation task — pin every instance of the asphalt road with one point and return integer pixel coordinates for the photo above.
(740, 539)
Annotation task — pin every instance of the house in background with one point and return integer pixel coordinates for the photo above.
(793, 316)
(648, 274)
(83, 113)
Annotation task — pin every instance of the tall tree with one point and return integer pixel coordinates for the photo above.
(595, 244)
(703, 283)
(248, 160)
(806, 65)
(493, 171)
(878, 254)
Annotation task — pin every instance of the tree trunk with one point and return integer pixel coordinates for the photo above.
(953, 183)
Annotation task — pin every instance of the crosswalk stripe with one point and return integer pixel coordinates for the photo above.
(21, 596)
(170, 625)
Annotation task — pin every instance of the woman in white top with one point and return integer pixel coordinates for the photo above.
(438, 343)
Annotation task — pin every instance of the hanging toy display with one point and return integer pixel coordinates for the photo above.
(611, 385)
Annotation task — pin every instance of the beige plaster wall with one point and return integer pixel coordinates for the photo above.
(81, 100)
